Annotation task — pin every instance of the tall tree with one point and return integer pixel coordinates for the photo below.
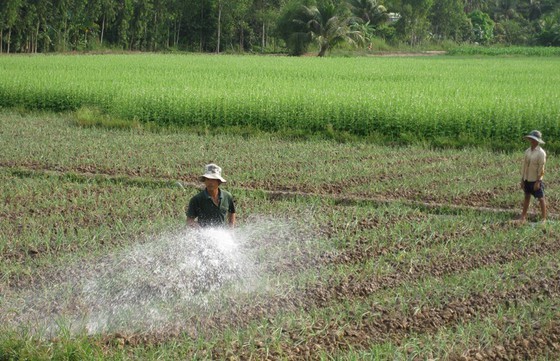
(483, 27)
(240, 17)
(330, 25)
(60, 17)
(108, 15)
(25, 28)
(265, 16)
(122, 22)
(42, 39)
(504, 9)
(82, 25)
(369, 11)
(449, 21)
(549, 32)
(292, 27)
(220, 8)
(413, 25)
(139, 24)
(10, 11)
(471, 5)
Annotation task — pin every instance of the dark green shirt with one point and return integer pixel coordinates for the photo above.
(202, 207)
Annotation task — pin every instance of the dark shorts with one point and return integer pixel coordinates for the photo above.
(529, 189)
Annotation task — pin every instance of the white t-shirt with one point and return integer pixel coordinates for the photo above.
(533, 164)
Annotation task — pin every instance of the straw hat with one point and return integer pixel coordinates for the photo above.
(535, 135)
(212, 171)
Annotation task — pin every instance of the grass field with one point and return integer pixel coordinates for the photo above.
(352, 251)
(443, 101)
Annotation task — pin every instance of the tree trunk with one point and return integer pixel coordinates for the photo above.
(65, 35)
(323, 50)
(102, 30)
(219, 27)
(178, 34)
(201, 21)
(1, 41)
(241, 39)
(155, 32)
(37, 36)
(168, 38)
(9, 40)
(263, 38)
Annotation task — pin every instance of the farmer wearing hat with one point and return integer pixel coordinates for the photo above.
(212, 207)
(532, 174)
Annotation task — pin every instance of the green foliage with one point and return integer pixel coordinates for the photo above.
(94, 117)
(400, 98)
(513, 31)
(549, 34)
(413, 26)
(292, 28)
(370, 12)
(330, 24)
(33, 26)
(448, 21)
(482, 27)
(533, 51)
(386, 32)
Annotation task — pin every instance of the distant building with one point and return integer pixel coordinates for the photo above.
(393, 17)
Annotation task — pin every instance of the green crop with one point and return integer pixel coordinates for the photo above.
(361, 250)
(445, 101)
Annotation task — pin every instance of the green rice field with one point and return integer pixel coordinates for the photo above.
(376, 204)
(443, 101)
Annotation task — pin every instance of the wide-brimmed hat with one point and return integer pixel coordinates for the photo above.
(535, 135)
(212, 171)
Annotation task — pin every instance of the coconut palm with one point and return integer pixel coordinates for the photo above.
(330, 26)
(369, 11)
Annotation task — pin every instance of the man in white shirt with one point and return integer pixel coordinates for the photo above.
(532, 174)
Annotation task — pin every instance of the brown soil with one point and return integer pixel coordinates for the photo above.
(478, 200)
(538, 341)
(383, 325)
(380, 324)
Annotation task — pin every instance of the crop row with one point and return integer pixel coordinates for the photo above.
(86, 229)
(441, 100)
(361, 171)
(340, 300)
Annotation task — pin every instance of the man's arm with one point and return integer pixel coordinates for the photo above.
(231, 219)
(231, 213)
(540, 172)
(540, 169)
(523, 169)
(191, 222)
(191, 213)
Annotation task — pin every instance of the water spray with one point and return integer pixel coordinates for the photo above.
(159, 283)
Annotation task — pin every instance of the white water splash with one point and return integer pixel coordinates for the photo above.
(156, 285)
(144, 287)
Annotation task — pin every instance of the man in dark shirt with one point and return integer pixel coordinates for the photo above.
(212, 207)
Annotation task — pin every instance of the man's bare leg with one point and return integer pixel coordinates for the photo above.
(526, 203)
(542, 203)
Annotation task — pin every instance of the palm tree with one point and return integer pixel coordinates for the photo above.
(369, 11)
(329, 26)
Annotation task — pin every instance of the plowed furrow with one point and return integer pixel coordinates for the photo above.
(239, 315)
(388, 325)
(274, 192)
(543, 342)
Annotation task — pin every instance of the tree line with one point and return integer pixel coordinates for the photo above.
(42, 26)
